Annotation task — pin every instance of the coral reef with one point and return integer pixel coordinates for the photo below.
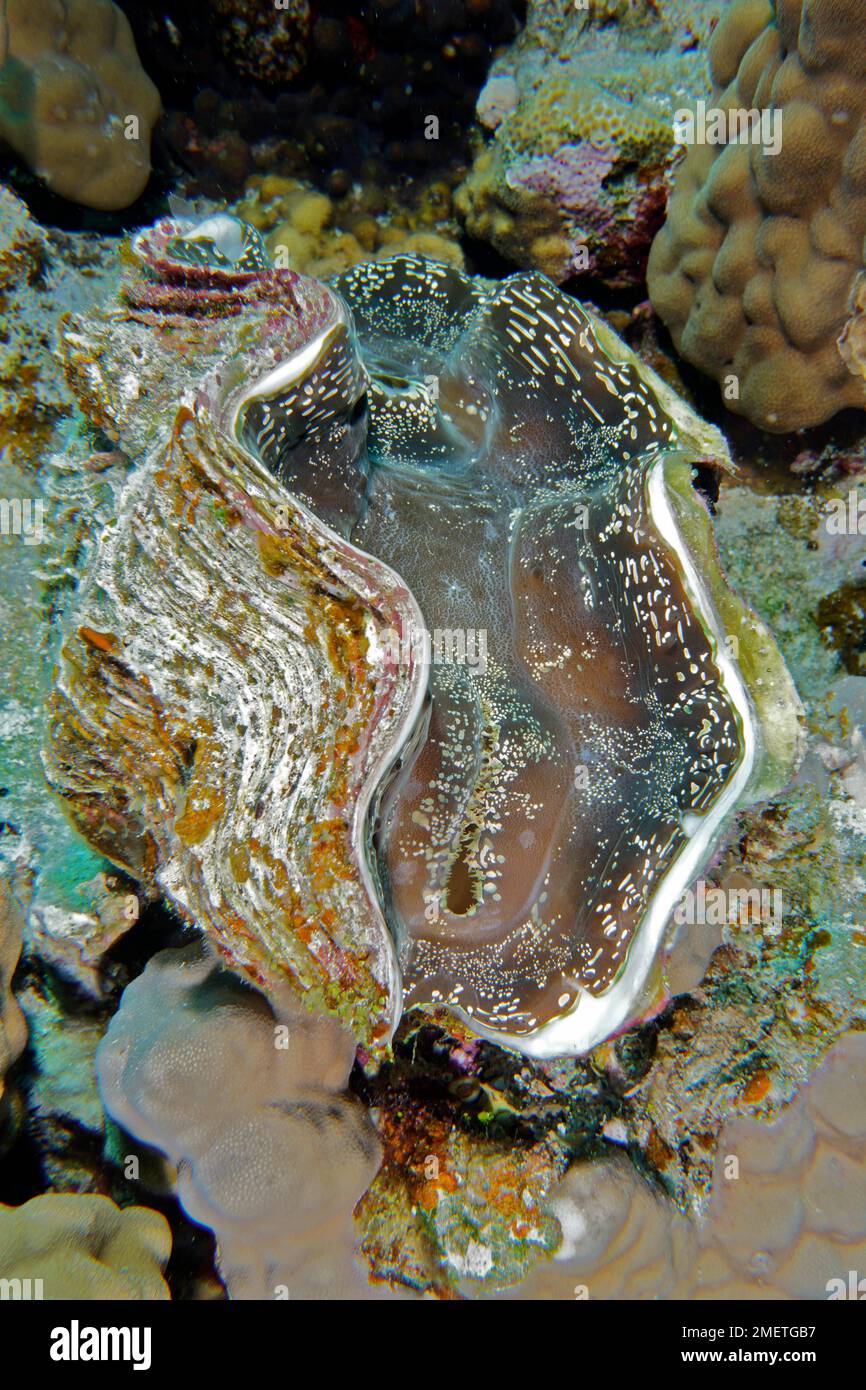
(785, 1219)
(249, 1104)
(63, 494)
(42, 273)
(574, 178)
(84, 1247)
(64, 1116)
(385, 96)
(266, 43)
(76, 904)
(23, 253)
(75, 102)
(755, 268)
(778, 545)
(457, 1213)
(454, 887)
(470, 1199)
(787, 1216)
(618, 1240)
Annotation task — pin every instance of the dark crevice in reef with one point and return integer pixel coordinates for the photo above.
(21, 1172)
(156, 929)
(482, 259)
(53, 211)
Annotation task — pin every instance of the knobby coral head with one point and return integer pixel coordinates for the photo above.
(407, 669)
(75, 102)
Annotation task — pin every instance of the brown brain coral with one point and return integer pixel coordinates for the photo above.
(755, 268)
(75, 102)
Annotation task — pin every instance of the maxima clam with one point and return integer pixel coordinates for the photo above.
(407, 663)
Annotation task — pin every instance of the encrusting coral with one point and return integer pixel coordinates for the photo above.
(75, 102)
(573, 178)
(77, 1246)
(42, 273)
(249, 1103)
(755, 268)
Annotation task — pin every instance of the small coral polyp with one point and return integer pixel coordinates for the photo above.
(408, 451)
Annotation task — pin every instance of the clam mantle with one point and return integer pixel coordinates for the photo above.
(249, 710)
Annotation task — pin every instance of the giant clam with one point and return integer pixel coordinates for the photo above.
(408, 661)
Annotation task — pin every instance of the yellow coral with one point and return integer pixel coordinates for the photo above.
(565, 110)
(84, 1247)
(301, 235)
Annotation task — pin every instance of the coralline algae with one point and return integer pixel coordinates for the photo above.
(240, 714)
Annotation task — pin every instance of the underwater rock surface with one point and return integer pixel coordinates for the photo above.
(241, 675)
(572, 177)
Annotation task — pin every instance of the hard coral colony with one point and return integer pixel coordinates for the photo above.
(420, 648)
